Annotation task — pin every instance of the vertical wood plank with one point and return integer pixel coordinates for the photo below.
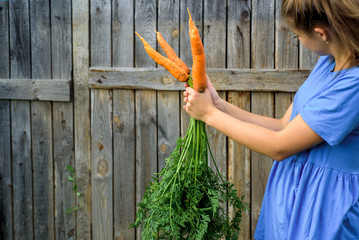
(239, 17)
(41, 123)
(102, 167)
(80, 42)
(101, 125)
(239, 166)
(146, 114)
(65, 224)
(196, 9)
(124, 163)
(146, 135)
(261, 103)
(214, 38)
(124, 123)
(168, 102)
(287, 45)
(6, 211)
(20, 65)
(262, 51)
(287, 52)
(145, 24)
(238, 56)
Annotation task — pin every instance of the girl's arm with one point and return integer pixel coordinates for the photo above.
(236, 112)
(294, 137)
(267, 122)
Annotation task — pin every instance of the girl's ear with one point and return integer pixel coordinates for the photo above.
(322, 32)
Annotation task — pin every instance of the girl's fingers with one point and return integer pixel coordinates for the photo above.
(190, 90)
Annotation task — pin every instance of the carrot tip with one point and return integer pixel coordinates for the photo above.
(139, 35)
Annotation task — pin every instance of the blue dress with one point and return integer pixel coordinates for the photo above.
(315, 194)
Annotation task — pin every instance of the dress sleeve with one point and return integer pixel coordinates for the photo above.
(334, 113)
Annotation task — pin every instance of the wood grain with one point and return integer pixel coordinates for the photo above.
(124, 141)
(238, 56)
(41, 124)
(6, 200)
(168, 102)
(36, 89)
(261, 103)
(101, 125)
(124, 131)
(20, 67)
(82, 126)
(63, 121)
(145, 102)
(267, 80)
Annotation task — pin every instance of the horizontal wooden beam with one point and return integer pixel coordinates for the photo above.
(222, 79)
(36, 89)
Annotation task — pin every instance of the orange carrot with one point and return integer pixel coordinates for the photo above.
(168, 64)
(198, 67)
(171, 53)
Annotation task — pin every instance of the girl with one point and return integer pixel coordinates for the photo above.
(313, 187)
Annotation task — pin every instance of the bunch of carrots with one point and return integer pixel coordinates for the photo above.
(186, 198)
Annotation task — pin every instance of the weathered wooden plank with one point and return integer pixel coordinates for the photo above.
(63, 124)
(146, 114)
(168, 102)
(262, 34)
(214, 33)
(261, 103)
(239, 165)
(20, 67)
(42, 170)
(238, 56)
(102, 164)
(223, 79)
(286, 51)
(124, 141)
(101, 125)
(282, 102)
(145, 24)
(80, 42)
(63, 155)
(238, 40)
(100, 32)
(6, 211)
(146, 135)
(123, 33)
(214, 38)
(41, 124)
(36, 89)
(124, 123)
(168, 124)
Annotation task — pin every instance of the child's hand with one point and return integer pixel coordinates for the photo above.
(199, 105)
(217, 100)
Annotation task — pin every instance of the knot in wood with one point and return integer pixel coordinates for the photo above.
(163, 148)
(168, 81)
(102, 166)
(175, 33)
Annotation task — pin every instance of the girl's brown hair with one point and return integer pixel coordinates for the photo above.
(341, 16)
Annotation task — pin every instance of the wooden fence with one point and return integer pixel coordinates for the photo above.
(77, 88)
